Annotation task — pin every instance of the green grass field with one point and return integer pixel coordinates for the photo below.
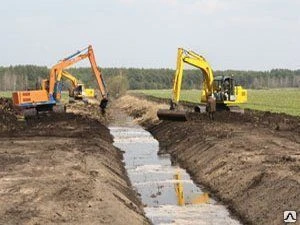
(286, 100)
(5, 94)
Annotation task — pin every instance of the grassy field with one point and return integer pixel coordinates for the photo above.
(286, 100)
(5, 94)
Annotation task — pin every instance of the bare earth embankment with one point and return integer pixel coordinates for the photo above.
(251, 162)
(63, 169)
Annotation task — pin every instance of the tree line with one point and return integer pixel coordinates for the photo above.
(28, 77)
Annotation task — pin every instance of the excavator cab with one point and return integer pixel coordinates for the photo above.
(79, 91)
(224, 89)
(227, 92)
(45, 85)
(57, 88)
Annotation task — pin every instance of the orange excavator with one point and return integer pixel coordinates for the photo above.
(48, 99)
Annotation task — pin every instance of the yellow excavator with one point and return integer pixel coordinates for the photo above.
(224, 89)
(78, 90)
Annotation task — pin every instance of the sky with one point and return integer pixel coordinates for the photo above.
(230, 34)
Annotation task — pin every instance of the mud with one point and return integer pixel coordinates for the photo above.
(8, 117)
(250, 162)
(63, 169)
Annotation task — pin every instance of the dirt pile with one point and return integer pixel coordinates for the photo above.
(277, 121)
(65, 125)
(247, 161)
(91, 110)
(8, 118)
(63, 169)
(274, 121)
(142, 110)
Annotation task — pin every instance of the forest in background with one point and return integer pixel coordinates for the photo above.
(25, 77)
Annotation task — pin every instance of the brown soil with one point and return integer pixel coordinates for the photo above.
(8, 118)
(63, 169)
(250, 161)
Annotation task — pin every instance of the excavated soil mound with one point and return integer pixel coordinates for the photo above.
(92, 111)
(274, 121)
(63, 169)
(279, 123)
(66, 125)
(8, 119)
(252, 170)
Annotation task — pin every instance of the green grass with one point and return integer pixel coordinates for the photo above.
(285, 100)
(5, 94)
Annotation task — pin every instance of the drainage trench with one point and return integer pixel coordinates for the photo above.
(167, 192)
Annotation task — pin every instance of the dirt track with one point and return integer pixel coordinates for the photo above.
(63, 169)
(251, 162)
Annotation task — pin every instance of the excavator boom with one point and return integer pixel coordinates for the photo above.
(70, 77)
(193, 59)
(73, 59)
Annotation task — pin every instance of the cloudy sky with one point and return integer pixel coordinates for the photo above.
(230, 34)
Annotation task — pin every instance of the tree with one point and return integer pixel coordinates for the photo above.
(117, 85)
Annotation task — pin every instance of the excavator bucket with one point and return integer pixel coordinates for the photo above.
(103, 103)
(165, 114)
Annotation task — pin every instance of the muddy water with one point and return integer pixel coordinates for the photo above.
(167, 192)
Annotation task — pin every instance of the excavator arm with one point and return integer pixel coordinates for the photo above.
(193, 59)
(68, 76)
(58, 70)
(97, 73)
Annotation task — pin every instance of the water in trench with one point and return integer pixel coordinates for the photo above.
(167, 192)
